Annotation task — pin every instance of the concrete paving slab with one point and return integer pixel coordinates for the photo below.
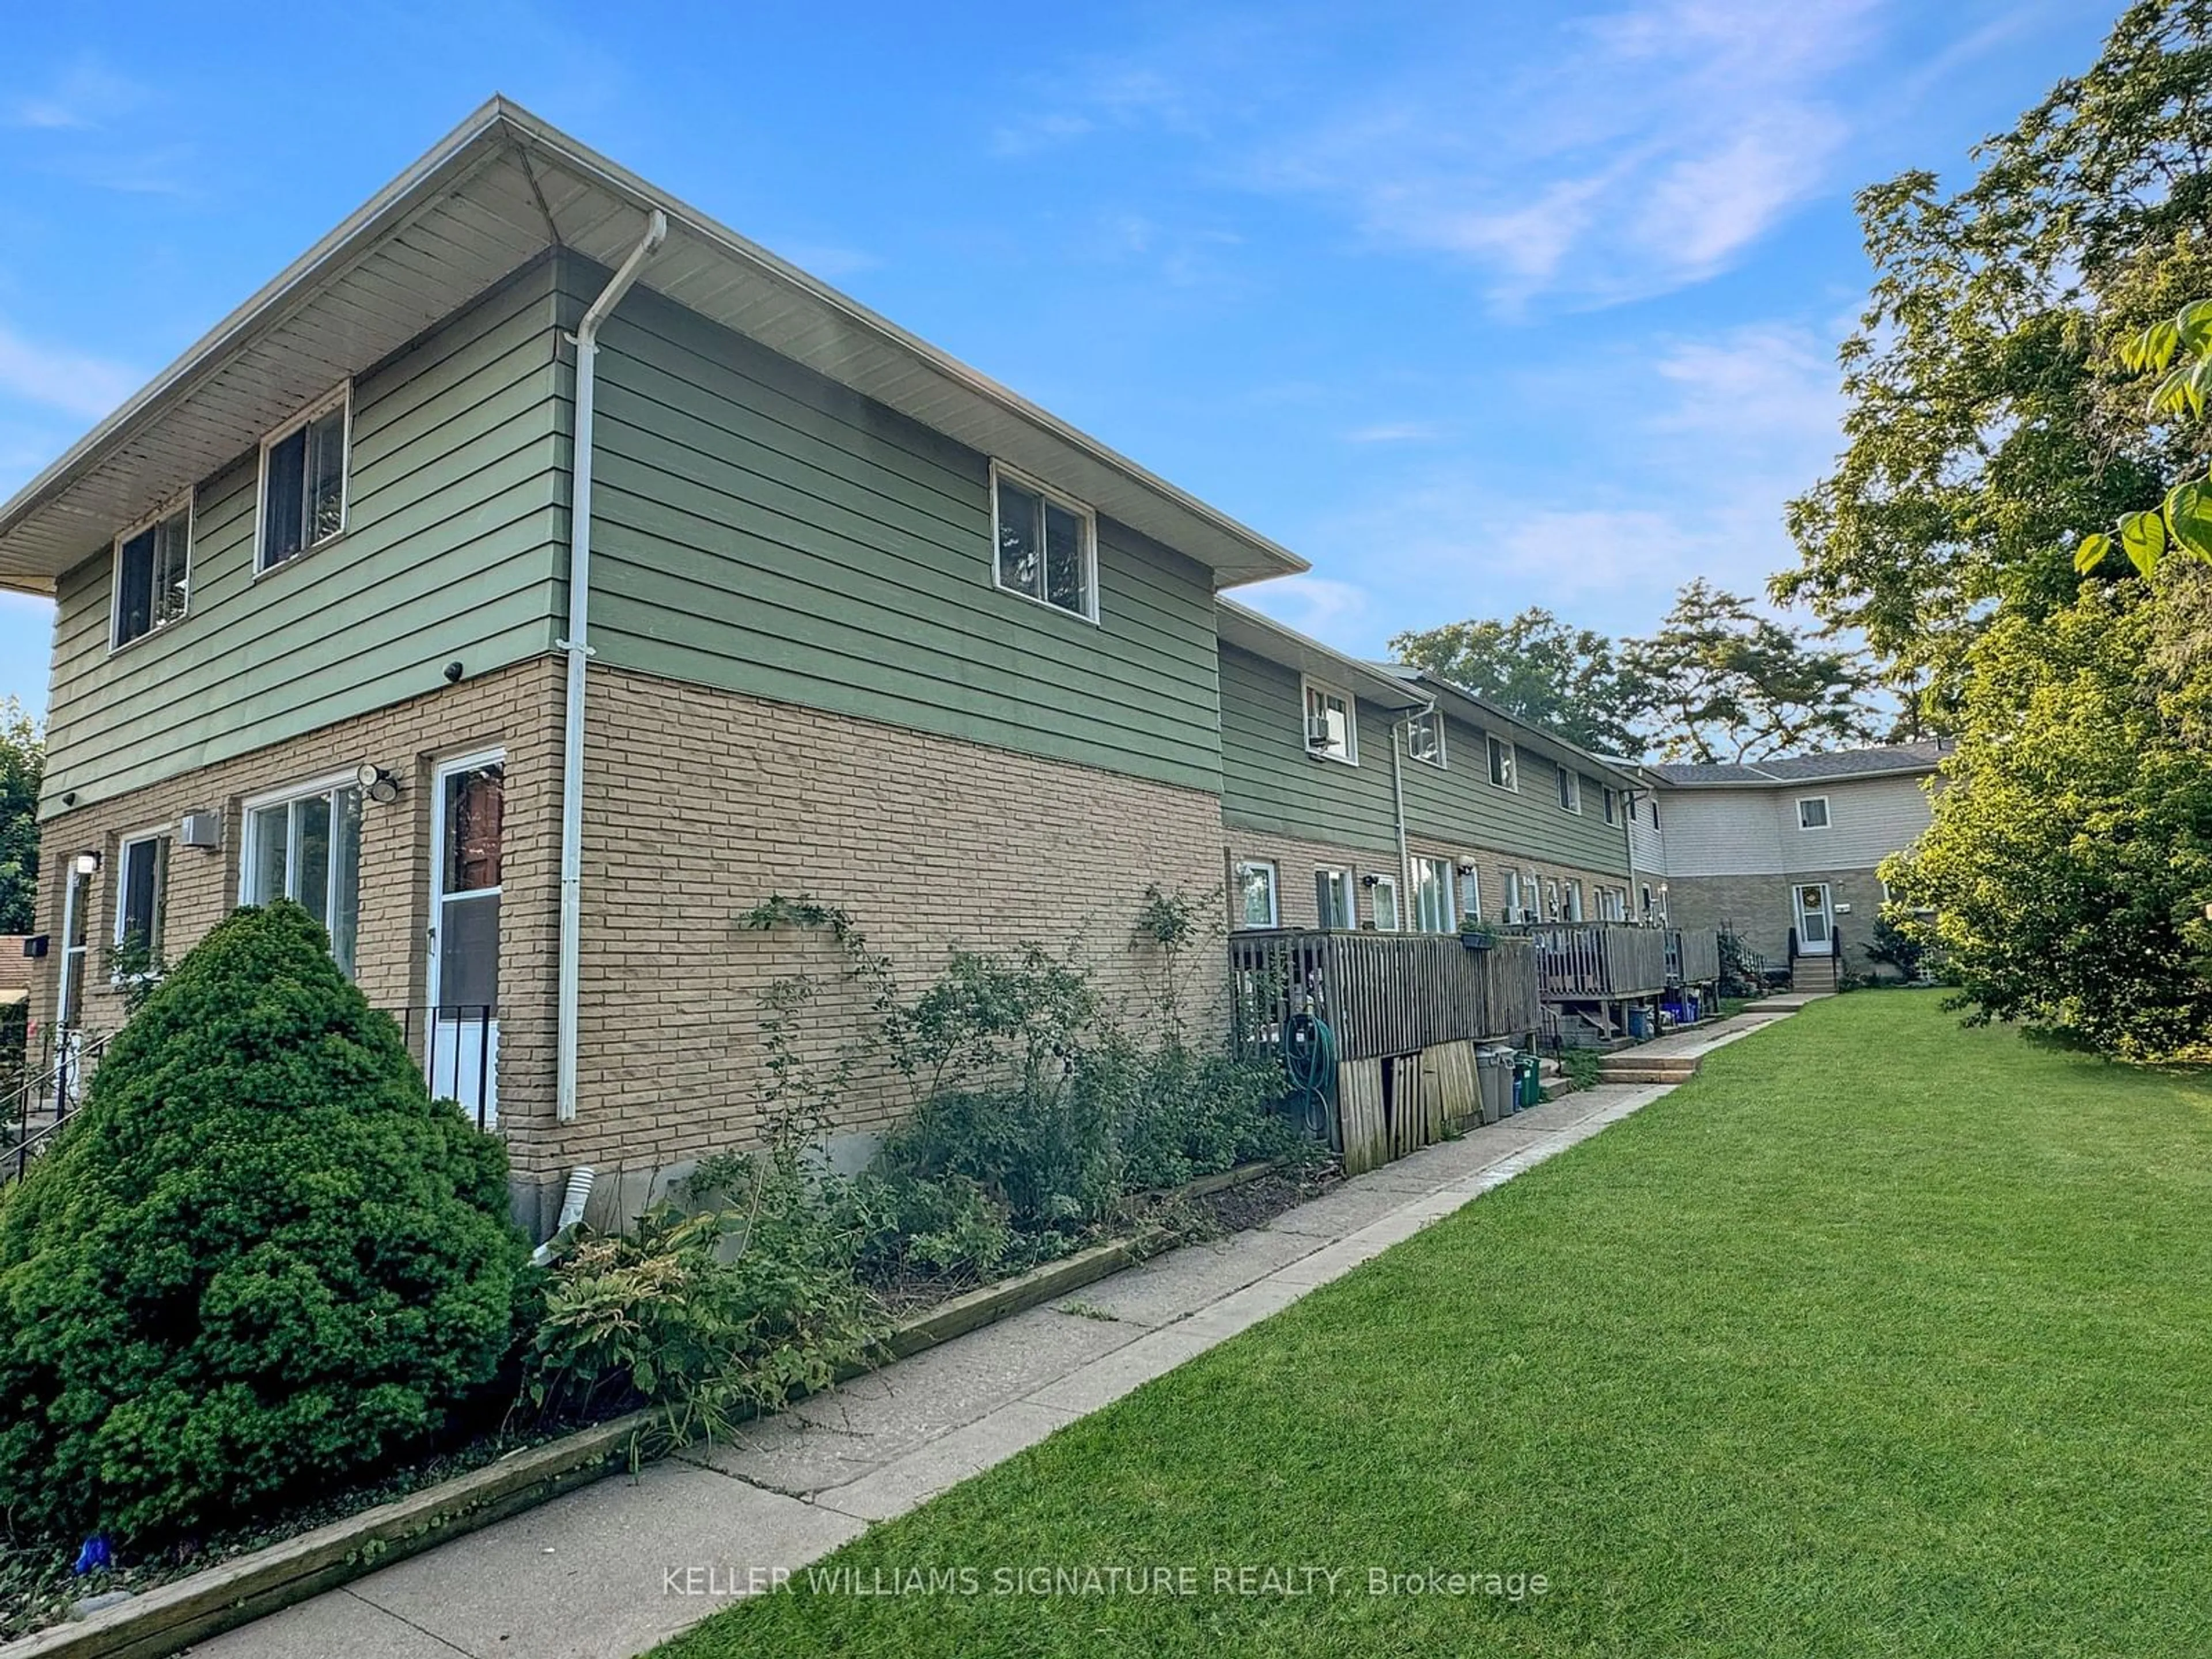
(921, 1474)
(610, 1569)
(1244, 1308)
(873, 1420)
(338, 1622)
(1183, 1281)
(1346, 1210)
(1103, 1381)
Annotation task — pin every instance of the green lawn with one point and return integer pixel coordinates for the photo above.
(1881, 1337)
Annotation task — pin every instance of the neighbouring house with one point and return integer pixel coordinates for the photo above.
(536, 576)
(1365, 795)
(1782, 853)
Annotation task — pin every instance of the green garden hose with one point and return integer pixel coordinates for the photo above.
(1310, 1063)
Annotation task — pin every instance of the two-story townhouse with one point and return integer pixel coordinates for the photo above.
(1357, 794)
(534, 578)
(1784, 853)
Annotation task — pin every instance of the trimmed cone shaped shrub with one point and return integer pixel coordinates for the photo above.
(262, 1256)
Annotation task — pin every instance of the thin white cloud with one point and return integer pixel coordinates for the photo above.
(1318, 606)
(85, 97)
(1706, 438)
(74, 382)
(1394, 432)
(1608, 159)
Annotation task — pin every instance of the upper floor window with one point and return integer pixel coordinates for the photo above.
(303, 480)
(1425, 735)
(1611, 804)
(1813, 812)
(1048, 546)
(1501, 763)
(1571, 789)
(1331, 731)
(152, 571)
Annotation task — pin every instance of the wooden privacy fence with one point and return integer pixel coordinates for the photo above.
(1598, 961)
(1380, 993)
(1407, 1012)
(1693, 955)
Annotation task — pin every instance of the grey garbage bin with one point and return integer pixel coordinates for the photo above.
(1493, 1070)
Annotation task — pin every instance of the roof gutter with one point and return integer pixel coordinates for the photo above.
(577, 650)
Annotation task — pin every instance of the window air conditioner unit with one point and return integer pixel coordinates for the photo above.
(1320, 733)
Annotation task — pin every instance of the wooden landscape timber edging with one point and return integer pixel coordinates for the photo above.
(157, 1622)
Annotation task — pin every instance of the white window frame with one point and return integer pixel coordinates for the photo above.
(1612, 803)
(1575, 912)
(1067, 502)
(1307, 688)
(1510, 885)
(1496, 747)
(1827, 813)
(1554, 908)
(1570, 791)
(1433, 718)
(1386, 884)
(340, 396)
(1469, 894)
(185, 502)
(155, 836)
(1238, 871)
(1443, 887)
(248, 844)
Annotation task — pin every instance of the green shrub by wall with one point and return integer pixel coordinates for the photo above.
(261, 1256)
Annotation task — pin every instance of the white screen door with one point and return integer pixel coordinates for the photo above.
(1816, 935)
(461, 1043)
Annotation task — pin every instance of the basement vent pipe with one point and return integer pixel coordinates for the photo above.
(577, 647)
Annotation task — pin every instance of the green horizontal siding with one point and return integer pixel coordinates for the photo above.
(1269, 781)
(1458, 802)
(758, 528)
(453, 549)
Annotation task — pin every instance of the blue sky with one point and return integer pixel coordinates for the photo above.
(1476, 306)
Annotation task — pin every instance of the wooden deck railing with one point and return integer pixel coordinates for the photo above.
(1693, 955)
(1380, 993)
(1598, 961)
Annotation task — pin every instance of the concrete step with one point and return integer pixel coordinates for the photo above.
(1632, 1067)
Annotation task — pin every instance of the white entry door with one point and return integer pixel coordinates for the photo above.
(1816, 933)
(461, 1035)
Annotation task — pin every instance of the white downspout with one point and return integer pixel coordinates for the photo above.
(577, 646)
(1398, 802)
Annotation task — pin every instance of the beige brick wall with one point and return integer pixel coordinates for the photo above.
(702, 802)
(517, 708)
(1758, 909)
(1295, 864)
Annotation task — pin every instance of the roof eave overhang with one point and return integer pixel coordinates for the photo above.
(1247, 630)
(500, 188)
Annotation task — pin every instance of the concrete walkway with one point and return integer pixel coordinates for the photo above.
(613, 1568)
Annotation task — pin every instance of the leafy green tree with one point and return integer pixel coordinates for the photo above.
(261, 1257)
(2067, 867)
(1990, 420)
(1567, 679)
(22, 765)
(1723, 683)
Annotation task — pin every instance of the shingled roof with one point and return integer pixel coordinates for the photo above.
(1883, 760)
